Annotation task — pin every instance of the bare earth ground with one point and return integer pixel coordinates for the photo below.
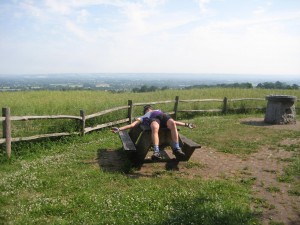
(261, 169)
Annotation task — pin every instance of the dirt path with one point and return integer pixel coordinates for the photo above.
(261, 169)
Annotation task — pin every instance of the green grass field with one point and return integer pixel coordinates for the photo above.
(60, 181)
(70, 102)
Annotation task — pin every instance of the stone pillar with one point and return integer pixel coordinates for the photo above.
(281, 109)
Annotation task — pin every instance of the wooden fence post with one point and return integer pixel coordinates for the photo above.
(176, 107)
(82, 114)
(7, 130)
(225, 101)
(130, 109)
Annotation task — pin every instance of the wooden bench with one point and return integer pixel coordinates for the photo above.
(188, 146)
(138, 141)
(128, 144)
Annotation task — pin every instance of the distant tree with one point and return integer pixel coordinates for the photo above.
(232, 85)
(248, 85)
(152, 89)
(145, 88)
(277, 85)
(135, 90)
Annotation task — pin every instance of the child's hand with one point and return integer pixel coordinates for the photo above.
(115, 129)
(190, 125)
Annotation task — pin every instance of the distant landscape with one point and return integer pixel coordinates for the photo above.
(140, 82)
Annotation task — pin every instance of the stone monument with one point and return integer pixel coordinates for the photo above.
(281, 109)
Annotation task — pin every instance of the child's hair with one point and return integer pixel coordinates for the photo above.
(146, 107)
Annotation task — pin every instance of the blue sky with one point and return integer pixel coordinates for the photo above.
(154, 36)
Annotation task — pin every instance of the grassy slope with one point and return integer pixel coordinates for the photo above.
(60, 182)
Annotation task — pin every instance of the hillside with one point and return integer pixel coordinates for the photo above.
(246, 172)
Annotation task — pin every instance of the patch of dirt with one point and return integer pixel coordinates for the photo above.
(260, 169)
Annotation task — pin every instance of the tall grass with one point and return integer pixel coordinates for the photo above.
(71, 102)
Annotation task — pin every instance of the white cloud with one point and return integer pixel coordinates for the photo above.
(154, 3)
(31, 9)
(83, 16)
(60, 7)
(240, 46)
(136, 16)
(259, 10)
(142, 36)
(66, 6)
(203, 5)
(77, 31)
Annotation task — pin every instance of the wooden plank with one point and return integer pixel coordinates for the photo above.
(82, 114)
(89, 129)
(202, 110)
(128, 145)
(244, 99)
(44, 136)
(7, 130)
(153, 103)
(25, 118)
(202, 100)
(106, 111)
(130, 109)
(2, 140)
(176, 107)
(189, 142)
(225, 101)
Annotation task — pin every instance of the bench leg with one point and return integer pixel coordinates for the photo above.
(143, 145)
(188, 151)
(188, 147)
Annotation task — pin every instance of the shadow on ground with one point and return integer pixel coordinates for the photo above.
(259, 122)
(110, 160)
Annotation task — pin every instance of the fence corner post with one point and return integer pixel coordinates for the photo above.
(176, 107)
(225, 109)
(130, 109)
(82, 114)
(7, 130)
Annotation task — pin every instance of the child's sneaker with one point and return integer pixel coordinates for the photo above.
(178, 152)
(156, 156)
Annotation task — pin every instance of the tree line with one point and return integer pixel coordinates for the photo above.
(146, 88)
(277, 85)
(247, 85)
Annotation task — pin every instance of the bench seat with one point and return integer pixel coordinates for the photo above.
(128, 144)
(188, 147)
(189, 142)
(138, 141)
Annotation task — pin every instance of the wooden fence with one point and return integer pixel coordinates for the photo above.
(7, 118)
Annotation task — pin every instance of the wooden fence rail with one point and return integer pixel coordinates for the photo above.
(7, 118)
